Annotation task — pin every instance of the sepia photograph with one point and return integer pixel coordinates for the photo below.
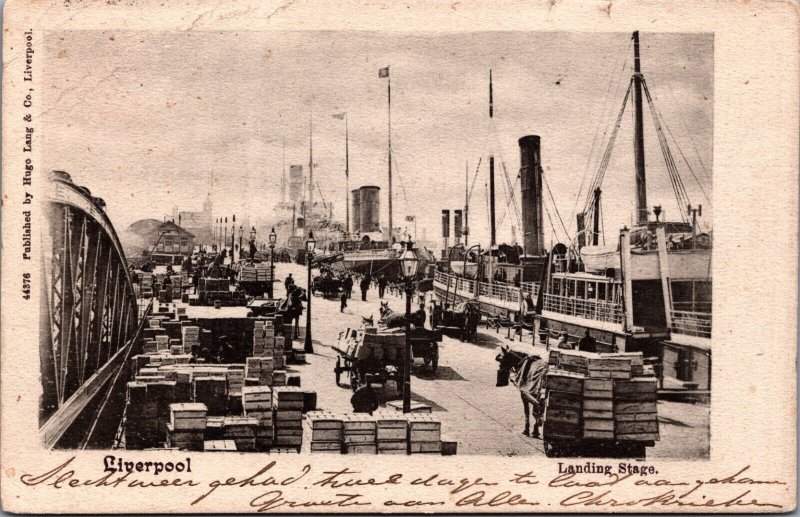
(366, 242)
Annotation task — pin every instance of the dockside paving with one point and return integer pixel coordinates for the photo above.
(468, 414)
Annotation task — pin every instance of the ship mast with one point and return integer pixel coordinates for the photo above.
(389, 94)
(638, 138)
(493, 240)
(310, 161)
(283, 172)
(465, 231)
(346, 176)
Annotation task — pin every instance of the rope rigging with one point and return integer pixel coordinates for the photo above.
(675, 178)
(685, 160)
(689, 134)
(555, 207)
(508, 186)
(599, 123)
(601, 171)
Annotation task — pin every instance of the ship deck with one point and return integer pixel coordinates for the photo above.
(495, 298)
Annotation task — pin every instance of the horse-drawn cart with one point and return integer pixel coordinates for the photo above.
(254, 279)
(377, 357)
(590, 404)
(329, 287)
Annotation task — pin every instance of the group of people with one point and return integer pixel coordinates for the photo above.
(347, 281)
(224, 353)
(586, 344)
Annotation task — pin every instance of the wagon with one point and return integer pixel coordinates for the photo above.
(375, 358)
(327, 287)
(567, 415)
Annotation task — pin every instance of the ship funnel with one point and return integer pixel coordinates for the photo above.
(355, 197)
(531, 180)
(370, 208)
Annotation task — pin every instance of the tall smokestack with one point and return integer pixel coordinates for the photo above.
(355, 199)
(531, 180)
(370, 209)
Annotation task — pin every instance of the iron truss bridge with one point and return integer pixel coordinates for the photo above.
(90, 320)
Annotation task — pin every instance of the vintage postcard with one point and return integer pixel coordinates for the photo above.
(381, 256)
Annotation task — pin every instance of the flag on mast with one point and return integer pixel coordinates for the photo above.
(383, 72)
(339, 116)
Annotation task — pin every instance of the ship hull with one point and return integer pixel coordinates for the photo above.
(389, 267)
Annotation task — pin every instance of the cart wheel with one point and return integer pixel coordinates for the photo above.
(551, 450)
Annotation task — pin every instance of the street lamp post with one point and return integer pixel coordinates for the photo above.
(241, 234)
(310, 245)
(233, 238)
(409, 263)
(273, 238)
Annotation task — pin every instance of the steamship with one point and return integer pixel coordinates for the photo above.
(298, 213)
(503, 279)
(367, 248)
(367, 251)
(651, 290)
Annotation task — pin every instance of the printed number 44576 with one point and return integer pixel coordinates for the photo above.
(26, 286)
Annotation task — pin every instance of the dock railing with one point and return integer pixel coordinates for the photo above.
(598, 310)
(692, 323)
(498, 291)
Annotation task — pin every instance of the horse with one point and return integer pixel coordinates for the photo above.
(529, 374)
(368, 322)
(396, 320)
(466, 316)
(292, 307)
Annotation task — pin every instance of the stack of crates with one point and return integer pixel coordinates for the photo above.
(146, 282)
(360, 434)
(187, 426)
(257, 403)
(323, 432)
(190, 336)
(288, 404)
(392, 432)
(424, 434)
(211, 391)
(600, 396)
(259, 338)
(242, 430)
(141, 424)
(259, 368)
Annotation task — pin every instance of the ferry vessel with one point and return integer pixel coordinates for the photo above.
(651, 290)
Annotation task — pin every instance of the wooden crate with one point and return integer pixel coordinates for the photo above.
(188, 416)
(564, 381)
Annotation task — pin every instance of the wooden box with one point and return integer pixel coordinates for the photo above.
(188, 416)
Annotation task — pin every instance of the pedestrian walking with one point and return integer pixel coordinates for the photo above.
(288, 282)
(364, 287)
(381, 286)
(348, 286)
(343, 300)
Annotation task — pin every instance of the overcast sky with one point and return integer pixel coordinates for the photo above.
(144, 119)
